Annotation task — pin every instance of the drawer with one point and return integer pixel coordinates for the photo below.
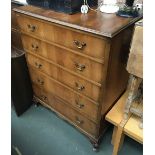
(75, 82)
(78, 41)
(81, 103)
(71, 61)
(65, 110)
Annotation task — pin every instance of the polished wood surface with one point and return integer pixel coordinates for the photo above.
(132, 129)
(70, 113)
(81, 62)
(95, 22)
(76, 63)
(117, 75)
(82, 86)
(36, 44)
(52, 86)
(58, 34)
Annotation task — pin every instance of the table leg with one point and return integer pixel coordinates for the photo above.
(119, 137)
(114, 135)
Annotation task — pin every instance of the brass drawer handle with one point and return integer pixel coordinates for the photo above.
(34, 47)
(80, 67)
(79, 86)
(38, 65)
(79, 105)
(78, 121)
(79, 45)
(32, 28)
(41, 82)
(44, 98)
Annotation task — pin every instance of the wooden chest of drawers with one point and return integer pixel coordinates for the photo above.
(77, 63)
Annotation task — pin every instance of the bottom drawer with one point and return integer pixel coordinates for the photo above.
(76, 118)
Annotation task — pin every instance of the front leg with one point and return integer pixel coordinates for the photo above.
(95, 147)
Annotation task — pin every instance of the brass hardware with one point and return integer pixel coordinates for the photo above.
(41, 82)
(32, 28)
(80, 67)
(78, 121)
(79, 87)
(79, 105)
(79, 45)
(38, 65)
(34, 47)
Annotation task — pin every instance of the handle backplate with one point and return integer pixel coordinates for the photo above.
(79, 45)
(80, 67)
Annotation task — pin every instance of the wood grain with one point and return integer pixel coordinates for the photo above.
(65, 58)
(63, 92)
(94, 22)
(117, 75)
(57, 34)
(68, 112)
(39, 40)
(135, 61)
(82, 86)
(54, 41)
(132, 129)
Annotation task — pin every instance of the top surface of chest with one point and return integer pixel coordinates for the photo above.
(107, 25)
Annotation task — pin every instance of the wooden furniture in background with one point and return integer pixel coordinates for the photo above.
(15, 30)
(129, 127)
(135, 61)
(135, 68)
(77, 63)
(127, 114)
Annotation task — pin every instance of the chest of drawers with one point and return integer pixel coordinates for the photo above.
(77, 63)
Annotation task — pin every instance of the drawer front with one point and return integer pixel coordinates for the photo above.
(74, 116)
(81, 103)
(77, 41)
(73, 62)
(77, 83)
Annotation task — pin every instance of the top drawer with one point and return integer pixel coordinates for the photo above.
(81, 42)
